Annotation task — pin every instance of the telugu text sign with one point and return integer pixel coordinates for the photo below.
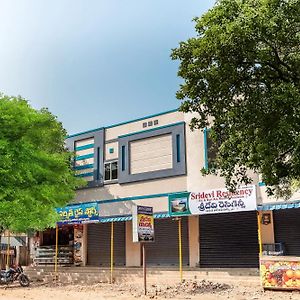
(222, 201)
(143, 224)
(79, 213)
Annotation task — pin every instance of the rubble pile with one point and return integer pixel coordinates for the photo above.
(188, 288)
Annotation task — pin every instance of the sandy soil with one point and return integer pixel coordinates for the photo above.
(188, 290)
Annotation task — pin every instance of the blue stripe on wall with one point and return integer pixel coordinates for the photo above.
(123, 123)
(152, 129)
(85, 174)
(143, 118)
(133, 198)
(87, 166)
(82, 157)
(88, 146)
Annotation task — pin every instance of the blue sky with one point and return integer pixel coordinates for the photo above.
(94, 63)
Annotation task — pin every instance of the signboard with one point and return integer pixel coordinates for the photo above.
(281, 274)
(142, 224)
(213, 201)
(79, 214)
(179, 204)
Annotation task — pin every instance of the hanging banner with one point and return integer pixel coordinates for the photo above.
(142, 224)
(213, 201)
(79, 214)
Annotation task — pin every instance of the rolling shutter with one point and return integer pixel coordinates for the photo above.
(287, 229)
(164, 251)
(229, 240)
(98, 244)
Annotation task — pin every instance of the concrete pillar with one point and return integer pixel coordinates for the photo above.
(17, 255)
(84, 245)
(194, 240)
(267, 231)
(133, 250)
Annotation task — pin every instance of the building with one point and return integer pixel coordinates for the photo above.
(145, 162)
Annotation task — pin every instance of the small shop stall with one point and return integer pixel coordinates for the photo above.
(63, 245)
(280, 260)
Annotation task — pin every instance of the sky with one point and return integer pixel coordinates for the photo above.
(94, 63)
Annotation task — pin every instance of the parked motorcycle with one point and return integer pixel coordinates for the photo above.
(14, 274)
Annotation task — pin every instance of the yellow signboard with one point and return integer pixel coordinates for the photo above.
(143, 224)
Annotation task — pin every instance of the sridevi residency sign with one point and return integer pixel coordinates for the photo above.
(213, 201)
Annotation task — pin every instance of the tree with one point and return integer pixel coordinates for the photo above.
(242, 76)
(35, 168)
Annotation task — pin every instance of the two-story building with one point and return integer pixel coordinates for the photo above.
(144, 162)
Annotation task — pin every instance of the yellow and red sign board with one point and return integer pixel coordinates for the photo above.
(280, 274)
(143, 224)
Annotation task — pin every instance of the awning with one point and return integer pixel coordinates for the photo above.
(115, 219)
(14, 241)
(129, 218)
(281, 205)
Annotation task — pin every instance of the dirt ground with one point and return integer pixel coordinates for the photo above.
(188, 290)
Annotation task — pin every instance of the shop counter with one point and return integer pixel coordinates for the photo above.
(280, 272)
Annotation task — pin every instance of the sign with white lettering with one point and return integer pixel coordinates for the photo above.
(214, 201)
(222, 201)
(79, 214)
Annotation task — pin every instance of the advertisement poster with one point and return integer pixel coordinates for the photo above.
(78, 240)
(213, 201)
(142, 224)
(179, 204)
(280, 274)
(79, 214)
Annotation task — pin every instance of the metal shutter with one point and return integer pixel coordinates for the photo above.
(229, 240)
(287, 229)
(98, 244)
(164, 251)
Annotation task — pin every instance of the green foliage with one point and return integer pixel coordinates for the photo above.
(35, 168)
(242, 76)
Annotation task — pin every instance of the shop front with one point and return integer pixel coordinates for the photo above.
(45, 251)
(63, 245)
(99, 244)
(280, 258)
(227, 225)
(164, 251)
(229, 240)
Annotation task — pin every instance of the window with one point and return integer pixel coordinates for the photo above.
(111, 170)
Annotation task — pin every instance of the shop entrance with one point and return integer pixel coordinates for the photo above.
(229, 240)
(165, 249)
(65, 236)
(45, 253)
(98, 244)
